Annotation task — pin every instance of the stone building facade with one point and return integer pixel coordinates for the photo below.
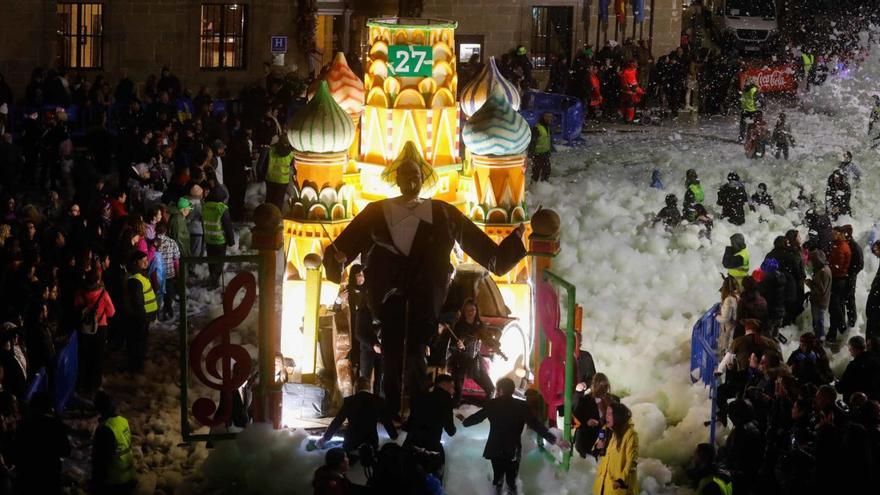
(138, 37)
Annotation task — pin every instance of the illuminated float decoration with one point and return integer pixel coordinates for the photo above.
(408, 95)
(348, 91)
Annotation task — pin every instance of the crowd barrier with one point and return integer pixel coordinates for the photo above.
(568, 113)
(64, 381)
(704, 359)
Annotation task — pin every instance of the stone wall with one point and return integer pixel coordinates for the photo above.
(508, 23)
(140, 36)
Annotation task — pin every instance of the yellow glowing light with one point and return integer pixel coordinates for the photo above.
(294, 343)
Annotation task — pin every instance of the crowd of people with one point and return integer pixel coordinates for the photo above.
(93, 227)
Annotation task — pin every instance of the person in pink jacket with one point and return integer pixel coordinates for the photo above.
(93, 299)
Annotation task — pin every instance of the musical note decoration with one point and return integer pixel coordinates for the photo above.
(213, 364)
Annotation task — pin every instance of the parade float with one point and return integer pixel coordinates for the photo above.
(344, 139)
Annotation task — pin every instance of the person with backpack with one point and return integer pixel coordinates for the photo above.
(95, 308)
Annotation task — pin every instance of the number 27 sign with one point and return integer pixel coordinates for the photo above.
(410, 60)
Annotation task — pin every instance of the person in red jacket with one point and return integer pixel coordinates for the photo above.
(630, 92)
(95, 299)
(839, 262)
(596, 99)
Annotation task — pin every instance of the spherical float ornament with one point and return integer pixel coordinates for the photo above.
(475, 94)
(496, 129)
(345, 87)
(322, 126)
(545, 223)
(312, 261)
(267, 216)
(409, 153)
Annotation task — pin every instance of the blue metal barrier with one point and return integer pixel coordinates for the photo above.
(66, 371)
(704, 359)
(568, 113)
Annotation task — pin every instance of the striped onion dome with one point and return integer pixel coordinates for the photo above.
(345, 86)
(496, 129)
(322, 126)
(477, 91)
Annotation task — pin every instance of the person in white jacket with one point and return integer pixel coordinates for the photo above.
(726, 316)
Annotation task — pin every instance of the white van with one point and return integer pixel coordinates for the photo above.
(748, 25)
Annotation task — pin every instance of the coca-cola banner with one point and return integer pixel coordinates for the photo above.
(778, 79)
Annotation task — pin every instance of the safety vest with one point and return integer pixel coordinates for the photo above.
(697, 191)
(542, 144)
(747, 100)
(725, 486)
(743, 271)
(150, 303)
(212, 215)
(279, 167)
(808, 61)
(121, 469)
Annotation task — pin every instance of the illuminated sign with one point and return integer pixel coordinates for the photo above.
(410, 60)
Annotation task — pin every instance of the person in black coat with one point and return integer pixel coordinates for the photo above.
(862, 374)
(732, 198)
(431, 415)
(856, 265)
(590, 413)
(507, 416)
(820, 230)
(742, 451)
(838, 195)
(465, 358)
(406, 243)
(872, 305)
(773, 288)
(370, 352)
(15, 373)
(362, 410)
(40, 444)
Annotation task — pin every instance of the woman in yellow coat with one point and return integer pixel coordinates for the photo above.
(616, 474)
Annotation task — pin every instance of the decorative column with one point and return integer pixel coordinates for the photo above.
(267, 240)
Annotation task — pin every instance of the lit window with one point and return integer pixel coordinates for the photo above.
(223, 35)
(80, 35)
(551, 34)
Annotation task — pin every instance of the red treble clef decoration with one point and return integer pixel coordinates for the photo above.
(213, 366)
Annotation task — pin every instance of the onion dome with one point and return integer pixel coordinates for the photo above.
(322, 126)
(477, 91)
(496, 129)
(345, 86)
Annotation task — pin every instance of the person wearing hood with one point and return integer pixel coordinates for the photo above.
(656, 179)
(838, 195)
(856, 264)
(732, 198)
(820, 291)
(617, 471)
(762, 198)
(872, 305)
(736, 258)
(219, 233)
(820, 231)
(693, 195)
(773, 288)
(669, 215)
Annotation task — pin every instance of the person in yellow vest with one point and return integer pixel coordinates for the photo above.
(736, 258)
(218, 230)
(278, 173)
(707, 475)
(112, 459)
(142, 309)
(749, 102)
(540, 148)
(808, 63)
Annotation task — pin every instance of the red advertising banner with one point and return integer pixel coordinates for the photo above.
(778, 79)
